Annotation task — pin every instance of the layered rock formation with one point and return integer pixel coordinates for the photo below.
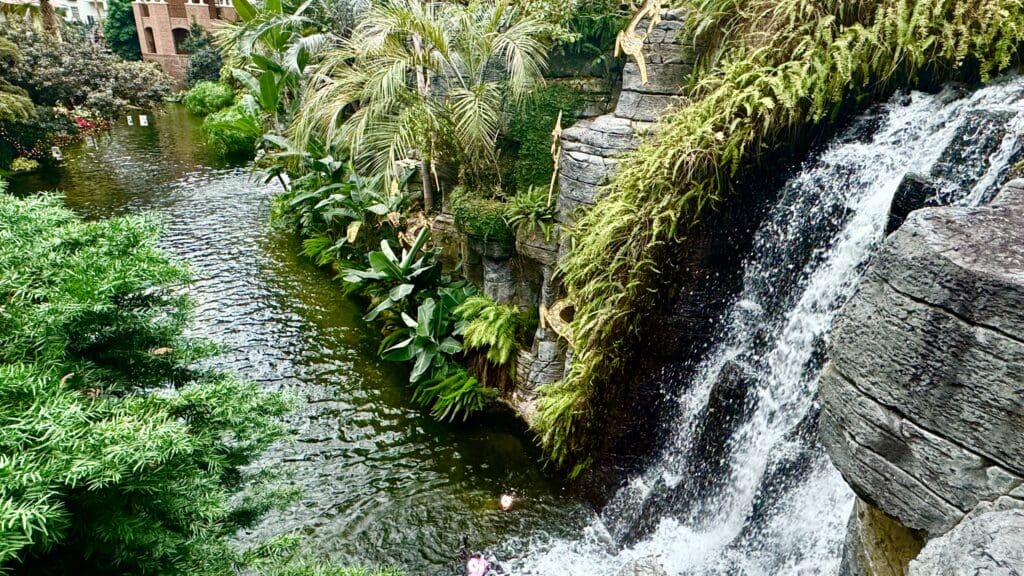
(923, 399)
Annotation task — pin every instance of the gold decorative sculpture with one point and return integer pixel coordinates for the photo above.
(631, 42)
(556, 154)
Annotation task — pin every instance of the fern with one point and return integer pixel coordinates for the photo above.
(492, 327)
(452, 391)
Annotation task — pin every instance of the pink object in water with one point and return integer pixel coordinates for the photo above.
(477, 566)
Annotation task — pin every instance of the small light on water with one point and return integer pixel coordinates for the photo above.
(506, 501)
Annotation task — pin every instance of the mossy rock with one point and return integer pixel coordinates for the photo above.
(482, 219)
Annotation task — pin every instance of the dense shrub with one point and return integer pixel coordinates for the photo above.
(68, 72)
(119, 30)
(33, 137)
(233, 131)
(208, 97)
(118, 453)
(205, 61)
(14, 101)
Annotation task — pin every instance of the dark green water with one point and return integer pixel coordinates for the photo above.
(383, 483)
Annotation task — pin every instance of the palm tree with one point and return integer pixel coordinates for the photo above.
(415, 75)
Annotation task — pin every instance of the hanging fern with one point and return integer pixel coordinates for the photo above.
(770, 66)
(492, 327)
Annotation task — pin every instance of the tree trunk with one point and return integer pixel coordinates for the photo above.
(428, 186)
(424, 89)
(48, 16)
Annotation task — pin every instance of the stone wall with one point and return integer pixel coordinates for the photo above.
(923, 404)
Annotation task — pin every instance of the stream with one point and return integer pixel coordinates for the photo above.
(382, 482)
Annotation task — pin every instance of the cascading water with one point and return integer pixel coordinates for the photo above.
(743, 487)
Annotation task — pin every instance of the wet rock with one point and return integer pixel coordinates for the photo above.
(731, 400)
(923, 407)
(966, 159)
(916, 191)
(647, 566)
(877, 544)
(989, 543)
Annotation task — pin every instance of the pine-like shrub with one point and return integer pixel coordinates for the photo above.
(118, 453)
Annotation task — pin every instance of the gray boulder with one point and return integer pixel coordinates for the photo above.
(988, 543)
(923, 401)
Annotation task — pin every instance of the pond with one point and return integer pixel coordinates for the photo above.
(382, 482)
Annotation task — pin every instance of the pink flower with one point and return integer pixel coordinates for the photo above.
(477, 566)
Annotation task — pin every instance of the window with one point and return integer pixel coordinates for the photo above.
(150, 41)
(91, 19)
(75, 15)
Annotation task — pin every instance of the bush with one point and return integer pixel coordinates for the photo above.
(119, 30)
(233, 131)
(532, 211)
(206, 60)
(208, 97)
(118, 453)
(22, 164)
(67, 72)
(480, 217)
(204, 66)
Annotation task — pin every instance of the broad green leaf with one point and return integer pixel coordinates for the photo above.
(246, 11)
(352, 232)
(401, 291)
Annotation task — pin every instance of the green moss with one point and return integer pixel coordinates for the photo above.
(531, 130)
(481, 217)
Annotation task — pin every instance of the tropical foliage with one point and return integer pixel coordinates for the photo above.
(118, 452)
(234, 130)
(119, 30)
(469, 65)
(531, 212)
(208, 97)
(769, 67)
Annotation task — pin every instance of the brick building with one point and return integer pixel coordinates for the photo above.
(163, 25)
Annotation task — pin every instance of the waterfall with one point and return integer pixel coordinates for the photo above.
(743, 486)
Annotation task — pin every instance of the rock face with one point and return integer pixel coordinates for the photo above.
(923, 400)
(590, 148)
(877, 545)
(989, 543)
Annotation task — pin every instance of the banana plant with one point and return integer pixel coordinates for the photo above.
(427, 342)
(390, 278)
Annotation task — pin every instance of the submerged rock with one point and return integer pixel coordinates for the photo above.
(647, 566)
